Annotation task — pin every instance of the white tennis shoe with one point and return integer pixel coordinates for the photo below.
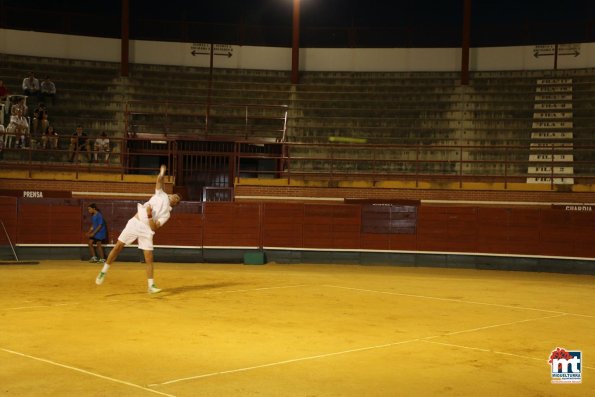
(153, 289)
(100, 278)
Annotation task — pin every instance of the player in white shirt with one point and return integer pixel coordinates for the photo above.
(149, 217)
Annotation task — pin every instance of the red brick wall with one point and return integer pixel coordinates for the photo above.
(417, 194)
(444, 228)
(82, 186)
(313, 192)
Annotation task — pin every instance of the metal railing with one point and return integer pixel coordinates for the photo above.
(193, 120)
(420, 162)
(57, 153)
(417, 162)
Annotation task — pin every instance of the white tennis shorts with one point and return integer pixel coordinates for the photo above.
(137, 230)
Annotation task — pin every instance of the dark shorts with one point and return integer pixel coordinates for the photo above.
(97, 240)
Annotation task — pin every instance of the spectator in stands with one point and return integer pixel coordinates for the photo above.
(31, 85)
(18, 122)
(4, 97)
(102, 147)
(40, 118)
(78, 143)
(48, 90)
(50, 137)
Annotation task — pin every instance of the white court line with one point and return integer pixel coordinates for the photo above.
(38, 306)
(460, 301)
(86, 372)
(55, 305)
(283, 362)
(492, 351)
(339, 353)
(493, 326)
(253, 289)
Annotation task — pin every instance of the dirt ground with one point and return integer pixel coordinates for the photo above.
(290, 330)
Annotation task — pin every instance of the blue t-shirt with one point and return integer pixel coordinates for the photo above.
(98, 220)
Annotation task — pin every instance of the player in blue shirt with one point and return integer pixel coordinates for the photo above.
(97, 234)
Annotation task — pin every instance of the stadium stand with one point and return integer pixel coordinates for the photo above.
(348, 125)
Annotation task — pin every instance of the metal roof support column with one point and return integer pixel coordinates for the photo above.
(466, 41)
(125, 38)
(295, 48)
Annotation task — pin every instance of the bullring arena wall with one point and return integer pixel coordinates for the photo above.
(544, 238)
(469, 227)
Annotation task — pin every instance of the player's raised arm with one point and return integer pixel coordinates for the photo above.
(159, 183)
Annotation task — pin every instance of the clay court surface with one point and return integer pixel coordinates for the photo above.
(290, 330)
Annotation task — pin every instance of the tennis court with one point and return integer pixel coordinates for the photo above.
(290, 330)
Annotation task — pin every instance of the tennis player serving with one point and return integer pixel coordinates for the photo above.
(149, 217)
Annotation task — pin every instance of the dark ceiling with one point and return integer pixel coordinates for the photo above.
(323, 23)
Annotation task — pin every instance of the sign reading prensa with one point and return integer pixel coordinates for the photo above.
(32, 194)
(35, 194)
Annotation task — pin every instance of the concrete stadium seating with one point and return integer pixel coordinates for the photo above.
(430, 114)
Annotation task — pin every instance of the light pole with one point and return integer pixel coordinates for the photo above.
(295, 47)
